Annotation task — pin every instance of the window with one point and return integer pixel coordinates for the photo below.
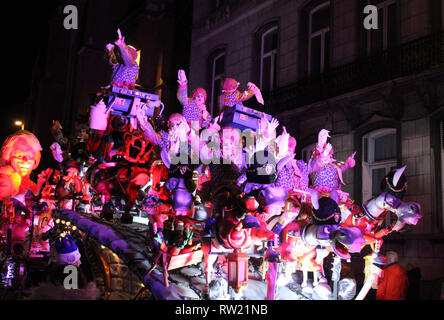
(442, 15)
(385, 37)
(319, 39)
(217, 4)
(269, 52)
(442, 162)
(379, 158)
(217, 75)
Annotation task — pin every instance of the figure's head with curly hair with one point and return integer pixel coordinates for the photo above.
(199, 96)
(21, 150)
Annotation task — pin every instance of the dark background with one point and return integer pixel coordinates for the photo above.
(24, 28)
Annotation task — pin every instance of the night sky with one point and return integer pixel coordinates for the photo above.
(24, 34)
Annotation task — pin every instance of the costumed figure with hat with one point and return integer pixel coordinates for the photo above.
(231, 96)
(125, 62)
(194, 109)
(226, 168)
(327, 180)
(181, 149)
(67, 250)
(293, 176)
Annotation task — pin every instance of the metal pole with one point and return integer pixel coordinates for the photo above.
(336, 275)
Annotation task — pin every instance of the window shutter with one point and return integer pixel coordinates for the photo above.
(442, 134)
(365, 149)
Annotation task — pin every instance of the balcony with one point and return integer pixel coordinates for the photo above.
(407, 59)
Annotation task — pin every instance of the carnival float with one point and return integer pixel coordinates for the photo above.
(208, 187)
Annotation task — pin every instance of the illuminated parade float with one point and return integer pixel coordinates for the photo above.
(210, 203)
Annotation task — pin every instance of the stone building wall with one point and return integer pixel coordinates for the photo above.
(112, 275)
(411, 104)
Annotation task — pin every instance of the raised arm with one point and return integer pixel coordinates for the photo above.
(148, 130)
(349, 163)
(182, 91)
(120, 42)
(247, 94)
(257, 92)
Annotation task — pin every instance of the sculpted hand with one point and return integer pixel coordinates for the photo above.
(322, 137)
(257, 92)
(273, 124)
(44, 175)
(351, 160)
(141, 117)
(181, 77)
(252, 87)
(120, 42)
(282, 141)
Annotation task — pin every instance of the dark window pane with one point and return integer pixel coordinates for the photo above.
(273, 85)
(216, 4)
(385, 147)
(365, 149)
(392, 26)
(377, 176)
(377, 36)
(442, 135)
(270, 41)
(316, 55)
(320, 19)
(266, 73)
(220, 65)
(327, 51)
(217, 92)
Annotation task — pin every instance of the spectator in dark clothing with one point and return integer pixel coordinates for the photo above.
(414, 275)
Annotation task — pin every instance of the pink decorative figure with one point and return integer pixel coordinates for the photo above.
(124, 62)
(194, 109)
(231, 96)
(328, 179)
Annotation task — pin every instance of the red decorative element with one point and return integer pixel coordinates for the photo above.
(136, 149)
(238, 238)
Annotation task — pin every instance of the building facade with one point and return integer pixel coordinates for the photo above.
(379, 92)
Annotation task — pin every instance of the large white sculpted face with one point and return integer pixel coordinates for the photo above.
(23, 158)
(178, 130)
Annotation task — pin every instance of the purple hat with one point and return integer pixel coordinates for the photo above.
(380, 262)
(182, 199)
(328, 212)
(67, 249)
